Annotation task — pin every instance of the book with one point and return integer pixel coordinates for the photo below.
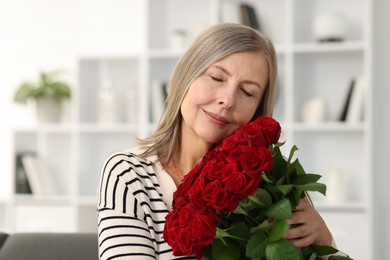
(40, 175)
(249, 16)
(21, 182)
(344, 111)
(355, 106)
(158, 97)
(230, 12)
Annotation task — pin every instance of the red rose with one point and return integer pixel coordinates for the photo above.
(207, 219)
(270, 128)
(256, 160)
(237, 154)
(183, 246)
(235, 183)
(219, 198)
(195, 192)
(212, 168)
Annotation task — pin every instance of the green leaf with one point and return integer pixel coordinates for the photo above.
(221, 251)
(280, 210)
(260, 228)
(255, 248)
(307, 178)
(282, 249)
(285, 188)
(47, 86)
(263, 197)
(240, 230)
(264, 178)
(277, 230)
(297, 167)
(324, 250)
(292, 152)
(319, 187)
(240, 208)
(279, 167)
(223, 233)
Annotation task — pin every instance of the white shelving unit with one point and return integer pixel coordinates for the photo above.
(307, 69)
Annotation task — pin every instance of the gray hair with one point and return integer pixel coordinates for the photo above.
(212, 45)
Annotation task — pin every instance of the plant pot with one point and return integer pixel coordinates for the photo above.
(48, 110)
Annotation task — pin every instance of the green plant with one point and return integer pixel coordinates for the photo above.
(48, 86)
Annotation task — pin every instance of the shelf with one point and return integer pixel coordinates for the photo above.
(45, 128)
(165, 53)
(342, 207)
(109, 128)
(328, 127)
(33, 199)
(329, 47)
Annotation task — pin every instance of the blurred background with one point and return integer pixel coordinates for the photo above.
(115, 59)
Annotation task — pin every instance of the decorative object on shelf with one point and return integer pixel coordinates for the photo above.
(356, 104)
(48, 92)
(40, 175)
(131, 104)
(314, 110)
(178, 39)
(243, 13)
(230, 12)
(330, 27)
(249, 16)
(336, 186)
(158, 95)
(22, 184)
(344, 111)
(352, 110)
(107, 103)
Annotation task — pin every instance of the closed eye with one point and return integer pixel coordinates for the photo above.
(247, 93)
(216, 78)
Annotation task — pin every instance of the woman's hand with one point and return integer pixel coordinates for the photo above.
(308, 226)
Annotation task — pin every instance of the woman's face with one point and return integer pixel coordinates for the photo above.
(224, 97)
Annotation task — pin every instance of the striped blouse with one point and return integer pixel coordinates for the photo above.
(134, 196)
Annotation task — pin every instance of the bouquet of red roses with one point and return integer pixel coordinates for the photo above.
(234, 204)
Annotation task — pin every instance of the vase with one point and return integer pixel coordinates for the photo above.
(328, 27)
(48, 110)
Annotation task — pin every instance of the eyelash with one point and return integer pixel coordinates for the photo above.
(216, 79)
(246, 93)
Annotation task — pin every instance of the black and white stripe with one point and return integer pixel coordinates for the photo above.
(131, 210)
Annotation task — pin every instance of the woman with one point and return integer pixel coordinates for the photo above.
(225, 79)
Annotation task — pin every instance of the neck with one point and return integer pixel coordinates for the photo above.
(191, 151)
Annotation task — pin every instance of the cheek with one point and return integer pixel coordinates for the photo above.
(198, 94)
(191, 100)
(245, 111)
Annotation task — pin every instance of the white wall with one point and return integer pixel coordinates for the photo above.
(381, 137)
(44, 35)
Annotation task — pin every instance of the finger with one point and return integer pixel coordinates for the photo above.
(303, 241)
(298, 232)
(298, 217)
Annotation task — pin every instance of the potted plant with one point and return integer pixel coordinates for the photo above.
(48, 92)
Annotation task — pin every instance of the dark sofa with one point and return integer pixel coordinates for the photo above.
(48, 246)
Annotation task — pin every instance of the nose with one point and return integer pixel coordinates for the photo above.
(227, 97)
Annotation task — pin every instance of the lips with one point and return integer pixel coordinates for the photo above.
(217, 118)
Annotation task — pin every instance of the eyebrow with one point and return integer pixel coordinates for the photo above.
(229, 74)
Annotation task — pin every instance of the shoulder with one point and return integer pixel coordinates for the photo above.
(124, 161)
(126, 171)
(129, 164)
